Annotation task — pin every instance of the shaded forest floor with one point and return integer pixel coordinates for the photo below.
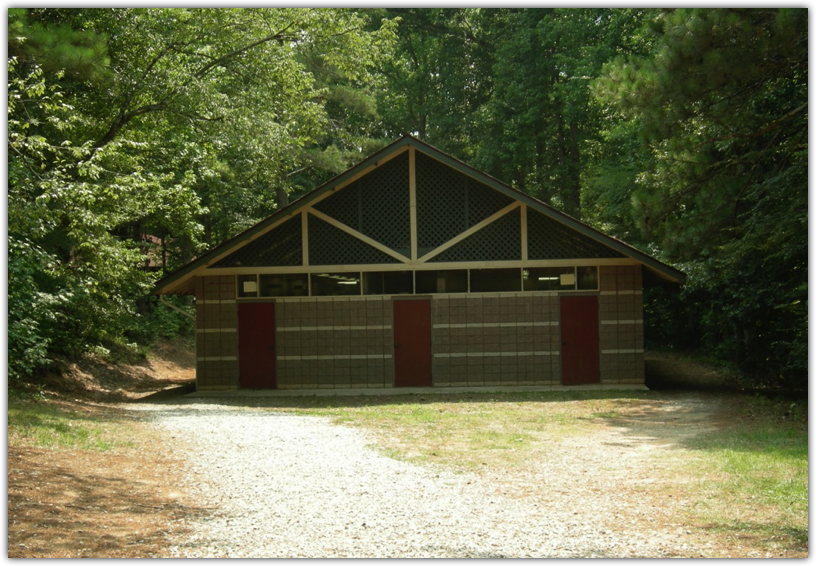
(117, 501)
(122, 499)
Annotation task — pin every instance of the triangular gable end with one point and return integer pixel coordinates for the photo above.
(449, 202)
(414, 205)
(549, 239)
(498, 241)
(330, 245)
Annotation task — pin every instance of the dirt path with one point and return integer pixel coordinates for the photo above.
(621, 476)
(126, 503)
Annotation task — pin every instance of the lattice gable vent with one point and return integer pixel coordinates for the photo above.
(377, 205)
(449, 202)
(549, 239)
(281, 246)
(328, 245)
(498, 241)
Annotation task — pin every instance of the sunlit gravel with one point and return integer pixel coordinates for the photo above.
(289, 486)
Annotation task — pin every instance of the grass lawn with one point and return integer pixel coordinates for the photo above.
(752, 481)
(52, 425)
(465, 430)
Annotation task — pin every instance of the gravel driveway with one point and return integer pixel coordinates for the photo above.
(290, 486)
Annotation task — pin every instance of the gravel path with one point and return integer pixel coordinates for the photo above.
(295, 486)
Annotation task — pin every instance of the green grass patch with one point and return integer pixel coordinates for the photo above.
(753, 477)
(47, 426)
(465, 431)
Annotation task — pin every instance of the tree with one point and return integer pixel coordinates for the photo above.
(541, 120)
(721, 103)
(71, 280)
(184, 126)
(440, 75)
(507, 90)
(57, 47)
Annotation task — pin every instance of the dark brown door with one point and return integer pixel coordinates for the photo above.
(256, 345)
(580, 354)
(412, 343)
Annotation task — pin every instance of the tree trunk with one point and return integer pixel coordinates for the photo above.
(281, 196)
(572, 197)
(569, 169)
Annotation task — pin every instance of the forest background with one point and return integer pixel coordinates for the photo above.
(138, 138)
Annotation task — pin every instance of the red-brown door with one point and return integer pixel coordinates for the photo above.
(580, 353)
(256, 345)
(412, 343)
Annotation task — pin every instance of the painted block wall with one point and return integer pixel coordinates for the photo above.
(477, 340)
(494, 339)
(620, 310)
(216, 333)
(336, 342)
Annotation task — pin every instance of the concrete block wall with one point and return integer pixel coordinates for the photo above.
(492, 339)
(216, 333)
(620, 307)
(485, 339)
(336, 342)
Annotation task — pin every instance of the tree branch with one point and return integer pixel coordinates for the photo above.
(125, 117)
(296, 171)
(278, 35)
(758, 133)
(112, 132)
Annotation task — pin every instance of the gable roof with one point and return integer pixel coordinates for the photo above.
(181, 281)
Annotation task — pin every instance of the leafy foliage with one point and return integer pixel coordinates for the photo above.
(71, 280)
(540, 118)
(55, 46)
(721, 102)
(30, 308)
(439, 76)
(173, 129)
